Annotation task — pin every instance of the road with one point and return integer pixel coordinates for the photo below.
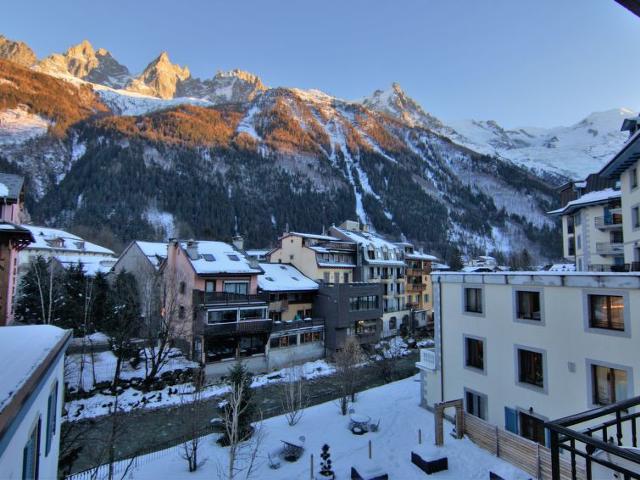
(144, 431)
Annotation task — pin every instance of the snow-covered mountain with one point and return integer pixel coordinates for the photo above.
(18, 52)
(574, 151)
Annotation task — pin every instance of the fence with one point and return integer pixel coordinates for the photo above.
(533, 458)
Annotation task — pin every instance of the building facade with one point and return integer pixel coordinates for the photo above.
(502, 345)
(379, 261)
(31, 400)
(13, 239)
(418, 287)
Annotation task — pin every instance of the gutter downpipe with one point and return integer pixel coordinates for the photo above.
(440, 335)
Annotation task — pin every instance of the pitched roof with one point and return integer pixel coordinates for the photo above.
(280, 277)
(220, 257)
(314, 236)
(44, 236)
(628, 154)
(591, 198)
(156, 252)
(91, 264)
(11, 186)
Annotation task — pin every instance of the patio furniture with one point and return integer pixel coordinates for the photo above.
(430, 464)
(292, 450)
(374, 427)
(368, 471)
(359, 422)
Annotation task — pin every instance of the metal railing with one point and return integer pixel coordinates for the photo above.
(230, 298)
(279, 326)
(241, 327)
(608, 222)
(608, 248)
(604, 444)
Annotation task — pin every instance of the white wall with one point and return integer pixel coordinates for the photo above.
(630, 198)
(561, 334)
(11, 457)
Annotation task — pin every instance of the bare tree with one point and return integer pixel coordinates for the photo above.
(192, 411)
(385, 357)
(163, 308)
(242, 438)
(294, 394)
(347, 361)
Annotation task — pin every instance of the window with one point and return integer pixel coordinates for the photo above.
(240, 288)
(578, 242)
(609, 385)
(181, 312)
(530, 368)
(346, 277)
(250, 345)
(532, 428)
(252, 314)
(309, 337)
(286, 341)
(210, 286)
(474, 353)
(476, 404)
(366, 327)
(233, 257)
(31, 455)
(221, 316)
(577, 219)
(365, 302)
(426, 298)
(473, 300)
(606, 312)
(52, 411)
(326, 277)
(208, 257)
(635, 217)
(393, 323)
(336, 277)
(183, 288)
(633, 177)
(528, 305)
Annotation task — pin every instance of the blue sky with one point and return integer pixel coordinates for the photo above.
(519, 62)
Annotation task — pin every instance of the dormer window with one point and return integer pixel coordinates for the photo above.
(80, 245)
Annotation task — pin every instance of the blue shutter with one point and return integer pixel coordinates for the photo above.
(48, 434)
(510, 419)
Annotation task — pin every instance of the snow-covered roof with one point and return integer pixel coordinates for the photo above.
(257, 252)
(46, 238)
(440, 266)
(279, 277)
(219, 257)
(591, 198)
(314, 236)
(156, 252)
(22, 350)
(91, 264)
(476, 268)
(371, 240)
(420, 256)
(10, 186)
(562, 267)
(335, 265)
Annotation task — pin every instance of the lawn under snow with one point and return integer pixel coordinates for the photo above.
(395, 404)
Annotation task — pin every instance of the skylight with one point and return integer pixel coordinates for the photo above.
(208, 257)
(270, 279)
(296, 279)
(235, 258)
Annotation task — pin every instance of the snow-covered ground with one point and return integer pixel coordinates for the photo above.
(394, 404)
(131, 398)
(17, 125)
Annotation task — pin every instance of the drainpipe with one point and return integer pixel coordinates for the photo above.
(440, 335)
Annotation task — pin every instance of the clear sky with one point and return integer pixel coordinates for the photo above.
(519, 62)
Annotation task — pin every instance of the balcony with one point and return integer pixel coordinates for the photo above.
(427, 359)
(608, 222)
(225, 298)
(599, 267)
(607, 248)
(279, 306)
(415, 287)
(284, 325)
(601, 443)
(244, 327)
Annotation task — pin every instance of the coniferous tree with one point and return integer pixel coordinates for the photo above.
(75, 296)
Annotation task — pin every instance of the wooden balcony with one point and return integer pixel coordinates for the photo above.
(415, 287)
(244, 327)
(225, 298)
(279, 306)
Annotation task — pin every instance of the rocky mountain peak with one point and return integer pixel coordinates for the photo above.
(15, 51)
(160, 78)
(84, 62)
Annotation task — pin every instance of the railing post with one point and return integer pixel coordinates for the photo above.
(555, 455)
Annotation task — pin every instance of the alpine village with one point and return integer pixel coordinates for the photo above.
(215, 278)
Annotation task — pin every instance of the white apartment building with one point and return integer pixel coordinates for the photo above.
(31, 398)
(592, 231)
(521, 348)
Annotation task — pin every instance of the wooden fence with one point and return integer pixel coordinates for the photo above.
(533, 458)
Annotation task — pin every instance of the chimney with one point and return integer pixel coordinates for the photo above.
(238, 242)
(192, 249)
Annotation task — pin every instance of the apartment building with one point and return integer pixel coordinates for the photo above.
(521, 348)
(213, 290)
(31, 400)
(297, 334)
(623, 168)
(323, 258)
(592, 231)
(13, 239)
(379, 261)
(418, 284)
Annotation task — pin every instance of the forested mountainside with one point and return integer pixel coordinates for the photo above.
(265, 159)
